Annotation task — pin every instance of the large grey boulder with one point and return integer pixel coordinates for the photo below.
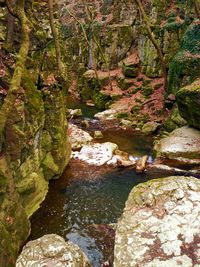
(51, 250)
(182, 145)
(160, 225)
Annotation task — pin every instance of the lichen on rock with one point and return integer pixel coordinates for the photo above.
(160, 224)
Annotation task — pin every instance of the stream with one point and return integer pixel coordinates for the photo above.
(83, 205)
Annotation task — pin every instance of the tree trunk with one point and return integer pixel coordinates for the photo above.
(197, 8)
(55, 36)
(153, 40)
(15, 83)
(10, 28)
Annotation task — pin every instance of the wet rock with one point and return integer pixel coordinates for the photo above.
(96, 154)
(109, 114)
(160, 224)
(150, 127)
(52, 250)
(182, 145)
(75, 112)
(85, 124)
(98, 134)
(126, 123)
(105, 153)
(141, 164)
(78, 137)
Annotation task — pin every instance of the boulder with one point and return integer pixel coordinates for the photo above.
(182, 146)
(75, 112)
(105, 153)
(52, 250)
(96, 154)
(78, 137)
(188, 99)
(130, 66)
(98, 134)
(175, 120)
(160, 225)
(150, 127)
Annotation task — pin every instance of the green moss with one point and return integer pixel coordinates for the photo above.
(122, 115)
(50, 168)
(185, 66)
(147, 91)
(188, 103)
(100, 99)
(135, 109)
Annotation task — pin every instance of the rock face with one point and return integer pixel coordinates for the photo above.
(52, 250)
(182, 145)
(37, 150)
(188, 99)
(185, 66)
(160, 225)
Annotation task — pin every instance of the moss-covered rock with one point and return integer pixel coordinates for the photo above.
(150, 127)
(188, 99)
(175, 120)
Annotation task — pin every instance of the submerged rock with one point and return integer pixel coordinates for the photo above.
(160, 225)
(52, 250)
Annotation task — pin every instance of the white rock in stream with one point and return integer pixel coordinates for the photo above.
(96, 154)
(105, 153)
(78, 137)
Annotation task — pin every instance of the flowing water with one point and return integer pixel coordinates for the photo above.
(82, 204)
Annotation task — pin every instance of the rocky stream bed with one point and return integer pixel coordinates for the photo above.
(88, 206)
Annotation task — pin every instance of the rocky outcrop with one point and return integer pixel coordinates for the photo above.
(36, 150)
(52, 250)
(188, 99)
(185, 66)
(160, 224)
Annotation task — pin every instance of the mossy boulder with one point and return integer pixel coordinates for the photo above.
(147, 91)
(188, 99)
(175, 120)
(150, 127)
(131, 66)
